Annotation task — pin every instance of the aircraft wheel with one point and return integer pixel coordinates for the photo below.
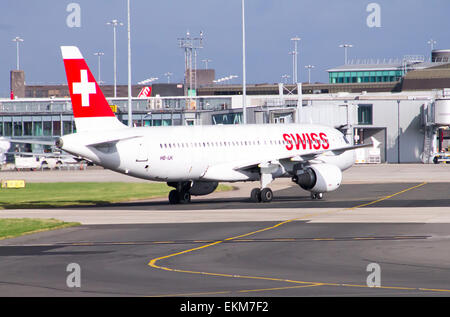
(255, 195)
(185, 197)
(174, 198)
(316, 196)
(266, 195)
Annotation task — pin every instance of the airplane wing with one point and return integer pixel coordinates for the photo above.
(338, 151)
(303, 158)
(55, 155)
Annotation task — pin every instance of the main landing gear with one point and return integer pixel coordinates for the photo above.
(264, 194)
(181, 194)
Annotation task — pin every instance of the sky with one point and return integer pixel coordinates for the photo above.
(395, 28)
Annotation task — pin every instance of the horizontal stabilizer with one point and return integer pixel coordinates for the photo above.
(29, 141)
(112, 140)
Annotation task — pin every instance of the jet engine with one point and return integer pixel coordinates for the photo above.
(319, 178)
(203, 188)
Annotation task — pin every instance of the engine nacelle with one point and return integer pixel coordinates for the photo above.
(320, 178)
(203, 188)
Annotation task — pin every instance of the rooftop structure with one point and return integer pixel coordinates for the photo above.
(375, 72)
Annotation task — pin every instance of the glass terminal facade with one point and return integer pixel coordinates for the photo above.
(50, 118)
(378, 76)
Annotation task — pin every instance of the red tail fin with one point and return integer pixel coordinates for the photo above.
(88, 100)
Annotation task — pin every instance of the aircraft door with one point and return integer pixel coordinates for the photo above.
(142, 152)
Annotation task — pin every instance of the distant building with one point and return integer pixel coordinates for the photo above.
(17, 83)
(380, 72)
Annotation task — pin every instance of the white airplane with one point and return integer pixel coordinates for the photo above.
(194, 159)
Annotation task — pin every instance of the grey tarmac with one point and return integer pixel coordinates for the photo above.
(228, 246)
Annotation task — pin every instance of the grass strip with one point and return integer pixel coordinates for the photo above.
(11, 228)
(54, 195)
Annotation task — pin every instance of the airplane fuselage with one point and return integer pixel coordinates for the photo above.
(208, 153)
(193, 159)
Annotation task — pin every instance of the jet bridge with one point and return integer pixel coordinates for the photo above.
(436, 123)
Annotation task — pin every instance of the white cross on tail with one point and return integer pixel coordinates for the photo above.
(84, 88)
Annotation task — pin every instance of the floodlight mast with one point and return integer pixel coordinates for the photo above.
(206, 61)
(168, 75)
(295, 60)
(309, 67)
(99, 55)
(190, 46)
(115, 23)
(244, 75)
(432, 43)
(18, 40)
(130, 107)
(346, 46)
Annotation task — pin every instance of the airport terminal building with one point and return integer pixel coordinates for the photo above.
(402, 105)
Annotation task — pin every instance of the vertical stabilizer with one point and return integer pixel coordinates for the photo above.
(90, 107)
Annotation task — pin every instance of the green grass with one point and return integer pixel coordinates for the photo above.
(53, 195)
(10, 228)
(48, 195)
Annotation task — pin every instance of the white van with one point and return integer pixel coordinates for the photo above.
(36, 162)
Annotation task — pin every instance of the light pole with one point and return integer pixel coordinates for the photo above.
(295, 59)
(206, 61)
(285, 78)
(244, 76)
(17, 39)
(99, 55)
(168, 74)
(432, 43)
(346, 46)
(293, 66)
(114, 23)
(309, 67)
(130, 115)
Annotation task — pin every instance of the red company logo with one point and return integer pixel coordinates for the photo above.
(306, 140)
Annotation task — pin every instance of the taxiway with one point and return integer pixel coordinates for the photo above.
(225, 245)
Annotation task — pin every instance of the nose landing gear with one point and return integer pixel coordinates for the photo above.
(315, 196)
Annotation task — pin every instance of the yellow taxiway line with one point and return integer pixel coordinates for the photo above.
(153, 262)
